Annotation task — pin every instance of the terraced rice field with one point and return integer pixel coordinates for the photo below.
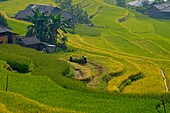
(135, 43)
(124, 57)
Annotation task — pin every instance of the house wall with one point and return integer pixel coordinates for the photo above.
(35, 46)
(155, 13)
(7, 38)
(14, 39)
(3, 39)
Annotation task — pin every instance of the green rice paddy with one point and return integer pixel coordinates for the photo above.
(115, 52)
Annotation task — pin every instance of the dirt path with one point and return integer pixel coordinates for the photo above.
(93, 82)
(165, 81)
(100, 68)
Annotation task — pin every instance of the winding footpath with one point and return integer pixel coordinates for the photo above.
(165, 81)
(93, 83)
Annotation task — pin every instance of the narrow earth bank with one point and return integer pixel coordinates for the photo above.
(93, 81)
(165, 81)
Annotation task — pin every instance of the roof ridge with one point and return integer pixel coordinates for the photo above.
(165, 7)
(5, 27)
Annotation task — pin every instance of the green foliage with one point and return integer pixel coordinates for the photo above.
(38, 24)
(45, 65)
(24, 104)
(159, 1)
(124, 84)
(81, 16)
(33, 97)
(139, 44)
(121, 2)
(20, 63)
(66, 5)
(3, 20)
(46, 26)
(145, 3)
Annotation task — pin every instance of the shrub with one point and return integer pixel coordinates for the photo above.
(124, 84)
(3, 20)
(20, 63)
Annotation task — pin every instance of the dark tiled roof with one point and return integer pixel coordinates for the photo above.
(4, 29)
(67, 15)
(28, 10)
(165, 7)
(29, 41)
(49, 8)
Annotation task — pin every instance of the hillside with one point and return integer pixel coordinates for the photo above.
(128, 67)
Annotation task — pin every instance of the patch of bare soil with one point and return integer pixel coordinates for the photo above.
(92, 79)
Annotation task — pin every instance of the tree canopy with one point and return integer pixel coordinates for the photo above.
(121, 2)
(81, 16)
(3, 21)
(47, 27)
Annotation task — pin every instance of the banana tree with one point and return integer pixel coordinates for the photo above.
(55, 24)
(39, 20)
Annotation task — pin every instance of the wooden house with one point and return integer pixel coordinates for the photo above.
(6, 36)
(161, 11)
(139, 3)
(22, 14)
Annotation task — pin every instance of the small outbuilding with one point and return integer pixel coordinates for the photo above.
(49, 48)
(6, 36)
(31, 42)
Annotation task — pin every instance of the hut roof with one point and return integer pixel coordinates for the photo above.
(29, 41)
(22, 14)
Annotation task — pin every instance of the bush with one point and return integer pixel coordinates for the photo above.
(124, 84)
(3, 21)
(19, 63)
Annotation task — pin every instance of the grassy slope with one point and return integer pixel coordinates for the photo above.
(23, 104)
(55, 96)
(43, 90)
(141, 34)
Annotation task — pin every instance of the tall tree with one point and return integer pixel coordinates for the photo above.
(3, 21)
(145, 3)
(55, 24)
(66, 5)
(39, 20)
(81, 16)
(121, 2)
